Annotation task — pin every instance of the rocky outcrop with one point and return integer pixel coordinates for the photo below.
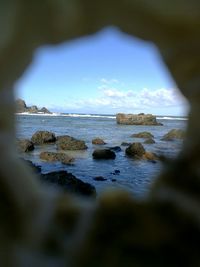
(21, 107)
(103, 154)
(98, 141)
(24, 145)
(43, 137)
(67, 142)
(69, 183)
(53, 156)
(143, 135)
(137, 119)
(174, 134)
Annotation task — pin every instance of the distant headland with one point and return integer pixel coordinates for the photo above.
(21, 107)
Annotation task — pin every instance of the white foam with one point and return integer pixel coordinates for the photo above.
(171, 118)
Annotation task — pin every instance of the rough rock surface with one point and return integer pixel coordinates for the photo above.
(69, 183)
(98, 141)
(43, 137)
(136, 119)
(135, 150)
(67, 142)
(25, 145)
(54, 156)
(174, 134)
(103, 154)
(143, 135)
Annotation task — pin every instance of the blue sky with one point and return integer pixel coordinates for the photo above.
(106, 73)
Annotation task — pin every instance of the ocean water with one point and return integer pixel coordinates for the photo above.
(135, 176)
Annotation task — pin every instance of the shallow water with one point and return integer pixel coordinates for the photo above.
(135, 176)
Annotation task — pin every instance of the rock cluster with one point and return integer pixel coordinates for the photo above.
(21, 107)
(137, 119)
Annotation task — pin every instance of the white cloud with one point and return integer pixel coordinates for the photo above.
(118, 100)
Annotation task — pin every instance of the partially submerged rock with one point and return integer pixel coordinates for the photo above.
(69, 183)
(135, 150)
(137, 119)
(149, 141)
(174, 134)
(125, 144)
(43, 137)
(143, 135)
(99, 178)
(103, 154)
(54, 156)
(150, 156)
(98, 141)
(25, 145)
(67, 142)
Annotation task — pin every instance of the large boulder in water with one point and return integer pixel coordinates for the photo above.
(43, 137)
(143, 135)
(149, 141)
(69, 183)
(135, 150)
(137, 119)
(174, 134)
(103, 154)
(67, 142)
(54, 156)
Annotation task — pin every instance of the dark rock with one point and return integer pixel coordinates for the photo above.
(99, 178)
(98, 141)
(135, 150)
(33, 109)
(67, 142)
(134, 119)
(43, 137)
(53, 156)
(44, 110)
(113, 180)
(103, 154)
(174, 134)
(125, 144)
(20, 106)
(143, 135)
(69, 183)
(149, 141)
(116, 172)
(25, 145)
(115, 148)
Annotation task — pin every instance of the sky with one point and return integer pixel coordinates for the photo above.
(105, 73)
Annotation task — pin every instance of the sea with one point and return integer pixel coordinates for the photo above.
(135, 176)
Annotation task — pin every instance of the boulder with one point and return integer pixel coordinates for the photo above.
(137, 119)
(67, 142)
(174, 134)
(149, 141)
(53, 156)
(135, 150)
(98, 141)
(69, 183)
(25, 145)
(103, 154)
(33, 109)
(43, 137)
(99, 178)
(143, 135)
